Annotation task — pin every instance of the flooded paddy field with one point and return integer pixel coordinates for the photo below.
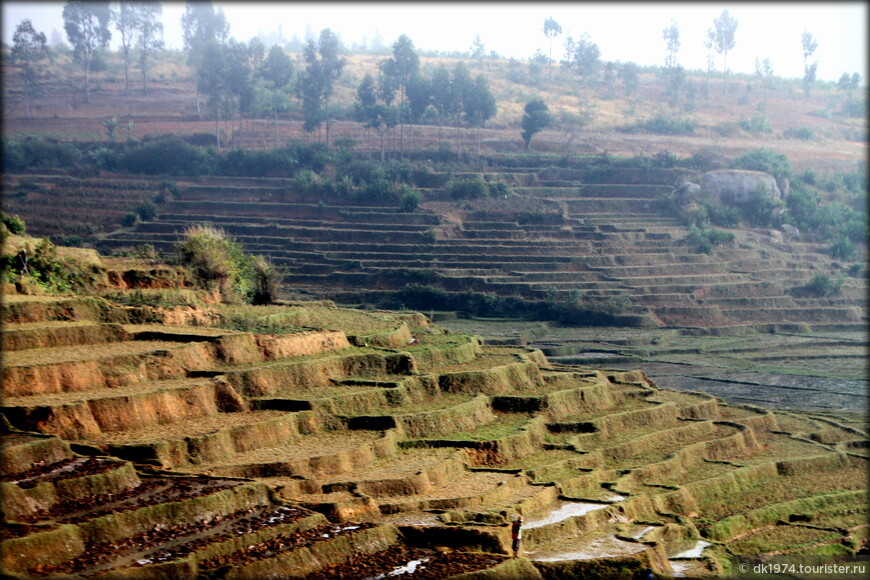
(826, 370)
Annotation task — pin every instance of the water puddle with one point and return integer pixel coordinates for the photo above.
(603, 547)
(638, 534)
(565, 510)
(693, 552)
(683, 562)
(413, 519)
(408, 568)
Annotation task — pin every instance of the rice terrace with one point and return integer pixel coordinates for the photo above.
(285, 309)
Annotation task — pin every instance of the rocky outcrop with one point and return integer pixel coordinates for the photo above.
(738, 186)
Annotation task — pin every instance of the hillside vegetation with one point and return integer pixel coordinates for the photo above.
(237, 441)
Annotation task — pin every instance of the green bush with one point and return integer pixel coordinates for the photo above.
(14, 224)
(662, 124)
(468, 188)
(217, 263)
(843, 249)
(763, 159)
(411, 198)
(130, 219)
(799, 133)
(266, 281)
(704, 238)
(41, 265)
(755, 125)
(823, 286)
(169, 155)
(147, 211)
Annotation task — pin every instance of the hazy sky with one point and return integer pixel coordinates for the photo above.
(623, 31)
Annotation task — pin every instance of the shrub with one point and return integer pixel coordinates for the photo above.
(755, 125)
(169, 155)
(147, 211)
(43, 267)
(843, 249)
(411, 198)
(216, 262)
(663, 124)
(266, 281)
(130, 219)
(498, 189)
(425, 177)
(763, 159)
(704, 238)
(822, 285)
(855, 107)
(759, 208)
(14, 224)
(468, 188)
(798, 133)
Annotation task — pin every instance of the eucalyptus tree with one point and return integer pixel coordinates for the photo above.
(478, 51)
(277, 70)
(401, 66)
(87, 29)
(442, 99)
(150, 36)
(480, 106)
(201, 25)
(29, 47)
(323, 66)
(721, 38)
(809, 45)
(419, 94)
(583, 56)
(373, 108)
(551, 29)
(126, 22)
(461, 87)
(211, 81)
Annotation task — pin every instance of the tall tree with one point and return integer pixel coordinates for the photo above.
(200, 24)
(629, 74)
(323, 66)
(442, 98)
(583, 56)
(211, 80)
(809, 45)
(277, 70)
(126, 21)
(671, 36)
(150, 36)
(461, 86)
(536, 117)
(28, 49)
(764, 71)
(552, 29)
(478, 52)
(87, 29)
(373, 111)
(721, 38)
(401, 66)
(480, 106)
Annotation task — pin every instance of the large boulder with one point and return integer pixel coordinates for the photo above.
(737, 186)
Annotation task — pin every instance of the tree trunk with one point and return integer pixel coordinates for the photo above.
(126, 71)
(88, 79)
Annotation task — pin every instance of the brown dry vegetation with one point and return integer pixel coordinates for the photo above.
(839, 142)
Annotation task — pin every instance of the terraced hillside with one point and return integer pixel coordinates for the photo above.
(593, 238)
(353, 443)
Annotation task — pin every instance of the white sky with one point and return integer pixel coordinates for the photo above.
(623, 31)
